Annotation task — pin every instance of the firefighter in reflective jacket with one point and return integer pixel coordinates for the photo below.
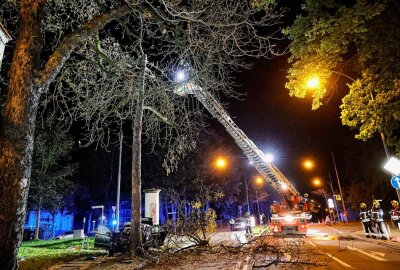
(365, 217)
(377, 219)
(395, 214)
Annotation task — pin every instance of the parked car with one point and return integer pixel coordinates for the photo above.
(118, 241)
(68, 235)
(239, 224)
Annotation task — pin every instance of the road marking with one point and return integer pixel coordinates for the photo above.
(311, 243)
(336, 230)
(378, 253)
(339, 261)
(368, 254)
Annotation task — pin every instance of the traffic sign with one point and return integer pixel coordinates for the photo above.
(395, 181)
(330, 203)
(337, 197)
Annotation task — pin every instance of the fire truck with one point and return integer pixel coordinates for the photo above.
(288, 217)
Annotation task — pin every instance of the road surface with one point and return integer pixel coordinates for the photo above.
(348, 253)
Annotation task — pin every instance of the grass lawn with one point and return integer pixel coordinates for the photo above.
(259, 229)
(44, 253)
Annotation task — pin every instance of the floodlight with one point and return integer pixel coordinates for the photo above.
(268, 158)
(393, 166)
(180, 76)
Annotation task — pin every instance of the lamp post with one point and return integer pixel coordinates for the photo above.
(318, 183)
(340, 189)
(119, 180)
(247, 194)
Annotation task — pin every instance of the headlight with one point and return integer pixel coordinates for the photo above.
(289, 218)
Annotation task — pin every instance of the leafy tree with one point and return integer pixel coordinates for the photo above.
(51, 169)
(357, 41)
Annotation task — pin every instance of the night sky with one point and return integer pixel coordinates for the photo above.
(277, 124)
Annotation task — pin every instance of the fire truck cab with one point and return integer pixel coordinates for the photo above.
(290, 217)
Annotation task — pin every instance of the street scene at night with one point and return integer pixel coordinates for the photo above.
(199, 134)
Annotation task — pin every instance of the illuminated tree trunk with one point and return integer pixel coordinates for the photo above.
(19, 117)
(136, 235)
(16, 133)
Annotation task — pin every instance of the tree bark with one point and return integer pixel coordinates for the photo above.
(19, 117)
(16, 133)
(136, 235)
(37, 224)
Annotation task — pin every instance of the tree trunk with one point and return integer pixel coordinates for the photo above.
(136, 235)
(19, 117)
(37, 224)
(16, 133)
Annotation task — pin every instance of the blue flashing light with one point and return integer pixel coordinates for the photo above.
(114, 222)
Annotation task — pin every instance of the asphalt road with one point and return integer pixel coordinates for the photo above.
(348, 253)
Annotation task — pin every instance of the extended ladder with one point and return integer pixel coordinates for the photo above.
(268, 170)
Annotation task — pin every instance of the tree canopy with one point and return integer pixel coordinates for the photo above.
(333, 41)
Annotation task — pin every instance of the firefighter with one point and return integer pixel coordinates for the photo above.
(377, 218)
(395, 214)
(365, 217)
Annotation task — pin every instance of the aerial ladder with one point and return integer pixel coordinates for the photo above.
(286, 218)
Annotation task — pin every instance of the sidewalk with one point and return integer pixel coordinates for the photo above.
(355, 230)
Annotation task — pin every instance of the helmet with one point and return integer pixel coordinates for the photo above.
(363, 205)
(305, 195)
(394, 203)
(376, 203)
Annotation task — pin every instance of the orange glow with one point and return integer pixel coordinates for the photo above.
(317, 181)
(308, 164)
(220, 163)
(259, 180)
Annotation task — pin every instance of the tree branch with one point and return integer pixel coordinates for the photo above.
(163, 118)
(63, 51)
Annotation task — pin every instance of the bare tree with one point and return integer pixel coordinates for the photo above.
(209, 36)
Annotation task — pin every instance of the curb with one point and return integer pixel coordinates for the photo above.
(373, 241)
(377, 242)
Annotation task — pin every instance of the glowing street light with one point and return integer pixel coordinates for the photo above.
(313, 82)
(259, 180)
(317, 181)
(308, 164)
(220, 163)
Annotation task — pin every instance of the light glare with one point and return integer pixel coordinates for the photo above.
(180, 76)
(268, 158)
(220, 163)
(393, 166)
(313, 82)
(308, 164)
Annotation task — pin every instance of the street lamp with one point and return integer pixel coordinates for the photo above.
(308, 164)
(259, 180)
(220, 163)
(318, 183)
(313, 82)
